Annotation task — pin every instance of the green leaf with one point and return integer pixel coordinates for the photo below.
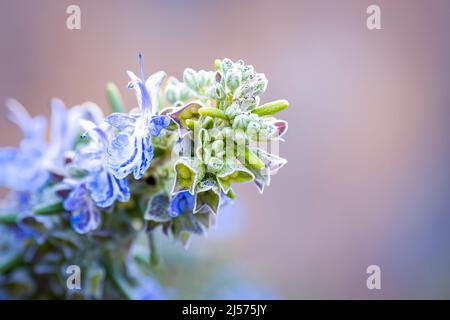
(207, 194)
(270, 108)
(114, 98)
(253, 160)
(94, 281)
(10, 263)
(231, 194)
(8, 218)
(49, 209)
(117, 280)
(188, 111)
(233, 173)
(188, 173)
(157, 208)
(212, 112)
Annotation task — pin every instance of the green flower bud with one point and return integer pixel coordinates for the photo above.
(247, 71)
(217, 147)
(218, 92)
(240, 121)
(171, 94)
(184, 93)
(190, 124)
(240, 63)
(190, 78)
(226, 64)
(218, 77)
(249, 103)
(232, 111)
(266, 131)
(202, 145)
(253, 128)
(208, 122)
(253, 117)
(227, 133)
(214, 165)
(233, 79)
(202, 78)
(244, 91)
(261, 84)
(240, 137)
(215, 134)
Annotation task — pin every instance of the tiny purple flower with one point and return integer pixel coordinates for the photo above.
(103, 186)
(85, 215)
(181, 202)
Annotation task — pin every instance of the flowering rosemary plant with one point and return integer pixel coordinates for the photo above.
(91, 193)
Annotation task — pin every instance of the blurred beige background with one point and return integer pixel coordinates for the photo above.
(368, 149)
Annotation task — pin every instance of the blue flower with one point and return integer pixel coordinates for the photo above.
(85, 215)
(22, 169)
(131, 151)
(65, 130)
(181, 202)
(28, 167)
(103, 186)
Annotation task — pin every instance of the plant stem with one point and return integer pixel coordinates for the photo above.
(117, 282)
(153, 246)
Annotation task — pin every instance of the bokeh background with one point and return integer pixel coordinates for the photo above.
(368, 144)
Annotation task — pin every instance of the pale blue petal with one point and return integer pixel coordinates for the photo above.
(121, 121)
(22, 171)
(142, 95)
(90, 159)
(130, 154)
(32, 128)
(153, 85)
(122, 153)
(76, 198)
(59, 124)
(7, 156)
(85, 215)
(87, 111)
(145, 156)
(105, 189)
(86, 219)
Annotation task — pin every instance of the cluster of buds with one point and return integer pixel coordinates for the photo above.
(221, 128)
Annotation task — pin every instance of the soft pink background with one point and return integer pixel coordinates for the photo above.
(368, 146)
